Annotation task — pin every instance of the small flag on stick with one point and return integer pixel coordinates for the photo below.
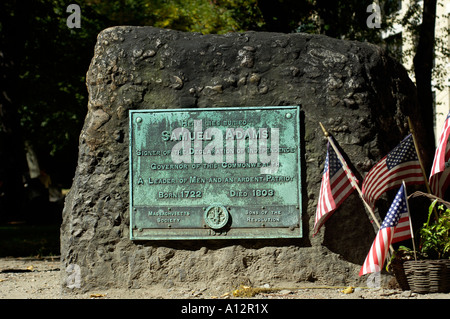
(440, 173)
(336, 186)
(396, 227)
(402, 163)
(350, 175)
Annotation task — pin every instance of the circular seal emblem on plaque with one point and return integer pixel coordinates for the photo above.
(216, 216)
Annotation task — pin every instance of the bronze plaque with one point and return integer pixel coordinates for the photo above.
(215, 173)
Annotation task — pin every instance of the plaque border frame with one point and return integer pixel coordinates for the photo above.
(258, 232)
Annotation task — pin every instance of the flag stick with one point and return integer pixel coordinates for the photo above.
(427, 185)
(410, 222)
(350, 177)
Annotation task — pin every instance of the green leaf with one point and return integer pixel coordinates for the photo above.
(430, 210)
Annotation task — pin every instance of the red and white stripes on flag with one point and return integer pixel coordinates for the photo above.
(396, 227)
(401, 163)
(440, 174)
(335, 188)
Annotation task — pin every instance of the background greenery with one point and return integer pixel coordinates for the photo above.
(22, 240)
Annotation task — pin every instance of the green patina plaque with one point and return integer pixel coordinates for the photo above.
(215, 173)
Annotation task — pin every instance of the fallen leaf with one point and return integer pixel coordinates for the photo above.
(30, 268)
(348, 290)
(97, 295)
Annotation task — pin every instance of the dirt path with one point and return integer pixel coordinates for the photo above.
(32, 278)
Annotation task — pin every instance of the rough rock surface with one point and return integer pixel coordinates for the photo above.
(359, 93)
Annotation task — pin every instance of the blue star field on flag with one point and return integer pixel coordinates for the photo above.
(397, 208)
(332, 163)
(404, 152)
(402, 163)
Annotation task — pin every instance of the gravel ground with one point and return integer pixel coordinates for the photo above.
(32, 278)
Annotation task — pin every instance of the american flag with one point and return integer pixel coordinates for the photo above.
(400, 164)
(440, 175)
(395, 228)
(335, 188)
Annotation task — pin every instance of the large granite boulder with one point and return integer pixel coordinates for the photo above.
(356, 90)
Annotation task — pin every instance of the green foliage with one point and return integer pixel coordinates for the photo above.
(199, 16)
(205, 16)
(435, 235)
(400, 255)
(24, 240)
(335, 17)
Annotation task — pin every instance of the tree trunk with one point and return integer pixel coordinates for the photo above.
(423, 65)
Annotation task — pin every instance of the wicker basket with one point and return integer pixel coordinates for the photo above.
(398, 268)
(428, 276)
